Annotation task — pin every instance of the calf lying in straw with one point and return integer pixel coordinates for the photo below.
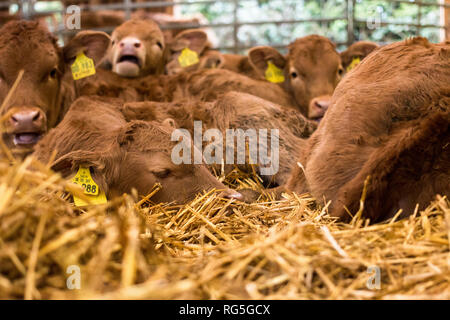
(273, 136)
(390, 122)
(123, 155)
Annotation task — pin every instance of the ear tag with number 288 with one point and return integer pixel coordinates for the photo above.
(84, 179)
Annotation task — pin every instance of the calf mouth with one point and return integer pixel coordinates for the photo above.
(129, 58)
(26, 138)
(23, 139)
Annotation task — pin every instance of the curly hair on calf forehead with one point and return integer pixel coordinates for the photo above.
(312, 41)
(25, 31)
(145, 136)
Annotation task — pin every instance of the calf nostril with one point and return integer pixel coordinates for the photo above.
(36, 117)
(318, 105)
(322, 105)
(121, 44)
(137, 45)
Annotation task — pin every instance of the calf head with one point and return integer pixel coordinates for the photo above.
(139, 156)
(36, 103)
(311, 71)
(137, 49)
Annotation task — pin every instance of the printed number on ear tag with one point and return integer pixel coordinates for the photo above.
(188, 58)
(84, 179)
(273, 73)
(82, 67)
(354, 63)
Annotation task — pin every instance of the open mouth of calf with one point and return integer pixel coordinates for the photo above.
(26, 138)
(129, 58)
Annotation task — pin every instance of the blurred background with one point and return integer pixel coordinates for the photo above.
(236, 25)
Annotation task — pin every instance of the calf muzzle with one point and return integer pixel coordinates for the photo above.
(25, 126)
(318, 106)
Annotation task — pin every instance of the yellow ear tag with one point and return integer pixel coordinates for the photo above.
(273, 73)
(188, 58)
(82, 67)
(354, 63)
(84, 179)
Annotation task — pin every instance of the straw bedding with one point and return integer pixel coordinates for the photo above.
(210, 248)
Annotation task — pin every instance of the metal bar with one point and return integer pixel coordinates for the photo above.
(419, 18)
(386, 23)
(445, 20)
(144, 5)
(222, 25)
(162, 4)
(235, 26)
(27, 9)
(423, 4)
(350, 21)
(127, 3)
(277, 46)
(183, 2)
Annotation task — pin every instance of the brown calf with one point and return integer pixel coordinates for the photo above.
(311, 71)
(389, 120)
(227, 113)
(137, 49)
(38, 102)
(123, 155)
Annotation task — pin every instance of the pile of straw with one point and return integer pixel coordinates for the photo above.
(210, 248)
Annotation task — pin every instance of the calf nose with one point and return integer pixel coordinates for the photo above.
(130, 45)
(231, 194)
(27, 119)
(322, 104)
(318, 106)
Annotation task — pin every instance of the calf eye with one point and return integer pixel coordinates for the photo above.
(340, 71)
(113, 42)
(159, 44)
(294, 75)
(53, 73)
(162, 173)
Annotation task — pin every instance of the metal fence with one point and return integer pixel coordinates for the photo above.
(352, 22)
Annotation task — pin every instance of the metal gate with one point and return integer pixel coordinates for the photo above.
(352, 22)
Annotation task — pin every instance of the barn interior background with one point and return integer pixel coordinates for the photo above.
(236, 25)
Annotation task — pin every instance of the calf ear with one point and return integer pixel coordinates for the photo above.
(94, 44)
(169, 123)
(196, 40)
(69, 164)
(259, 58)
(214, 60)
